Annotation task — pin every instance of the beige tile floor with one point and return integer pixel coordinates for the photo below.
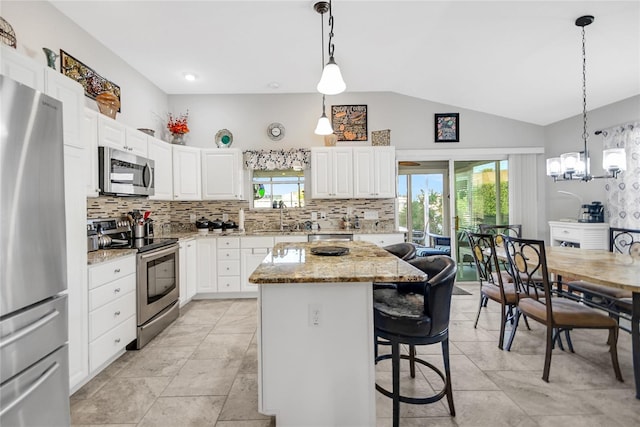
(202, 371)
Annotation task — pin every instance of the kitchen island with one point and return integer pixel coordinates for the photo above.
(315, 331)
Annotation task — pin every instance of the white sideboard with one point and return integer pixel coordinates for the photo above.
(583, 234)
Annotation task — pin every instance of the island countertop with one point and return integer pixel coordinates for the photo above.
(365, 262)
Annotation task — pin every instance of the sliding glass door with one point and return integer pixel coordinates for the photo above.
(481, 196)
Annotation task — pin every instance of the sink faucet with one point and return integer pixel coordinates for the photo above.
(282, 207)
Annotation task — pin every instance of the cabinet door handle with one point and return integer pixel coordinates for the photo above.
(116, 290)
(117, 340)
(116, 271)
(117, 313)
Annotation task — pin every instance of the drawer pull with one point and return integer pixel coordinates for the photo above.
(116, 271)
(117, 313)
(117, 340)
(116, 290)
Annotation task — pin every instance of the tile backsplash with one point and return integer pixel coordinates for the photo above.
(177, 213)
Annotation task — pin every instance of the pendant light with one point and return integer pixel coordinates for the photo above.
(575, 166)
(324, 125)
(331, 81)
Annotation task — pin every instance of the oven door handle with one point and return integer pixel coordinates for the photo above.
(147, 176)
(159, 252)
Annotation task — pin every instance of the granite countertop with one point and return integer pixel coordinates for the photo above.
(102, 255)
(365, 262)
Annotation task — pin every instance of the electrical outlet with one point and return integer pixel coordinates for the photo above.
(323, 215)
(315, 315)
(225, 217)
(314, 216)
(192, 218)
(370, 214)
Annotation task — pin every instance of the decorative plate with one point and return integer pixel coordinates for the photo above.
(224, 138)
(275, 131)
(330, 250)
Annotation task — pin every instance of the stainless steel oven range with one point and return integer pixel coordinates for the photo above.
(157, 285)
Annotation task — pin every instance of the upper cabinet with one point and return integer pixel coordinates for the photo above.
(89, 136)
(71, 94)
(332, 173)
(187, 180)
(160, 152)
(348, 172)
(222, 174)
(22, 68)
(116, 135)
(374, 172)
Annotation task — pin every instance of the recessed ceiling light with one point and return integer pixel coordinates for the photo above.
(274, 85)
(190, 77)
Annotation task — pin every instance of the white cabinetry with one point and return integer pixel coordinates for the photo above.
(71, 94)
(221, 174)
(188, 270)
(374, 172)
(254, 250)
(21, 68)
(187, 184)
(162, 155)
(382, 239)
(228, 251)
(584, 235)
(112, 309)
(116, 135)
(206, 268)
(89, 132)
(332, 173)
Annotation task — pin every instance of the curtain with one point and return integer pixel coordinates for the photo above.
(623, 193)
(277, 159)
(523, 193)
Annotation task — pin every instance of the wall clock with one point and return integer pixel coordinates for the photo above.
(275, 131)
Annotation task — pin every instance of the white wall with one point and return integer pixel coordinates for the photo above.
(410, 120)
(565, 136)
(38, 24)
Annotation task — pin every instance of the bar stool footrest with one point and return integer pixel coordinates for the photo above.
(415, 400)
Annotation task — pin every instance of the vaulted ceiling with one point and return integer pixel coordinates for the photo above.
(517, 59)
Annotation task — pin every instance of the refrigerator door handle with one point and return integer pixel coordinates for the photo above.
(29, 329)
(45, 376)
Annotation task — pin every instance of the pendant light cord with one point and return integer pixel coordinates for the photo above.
(330, 46)
(585, 135)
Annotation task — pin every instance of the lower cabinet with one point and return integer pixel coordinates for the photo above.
(112, 309)
(206, 275)
(228, 250)
(382, 239)
(188, 262)
(254, 250)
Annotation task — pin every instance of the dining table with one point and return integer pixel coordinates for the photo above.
(605, 268)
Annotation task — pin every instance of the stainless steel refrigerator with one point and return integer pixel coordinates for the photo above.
(34, 377)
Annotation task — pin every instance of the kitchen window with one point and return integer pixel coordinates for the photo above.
(275, 186)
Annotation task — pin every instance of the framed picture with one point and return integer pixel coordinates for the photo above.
(349, 122)
(447, 127)
(93, 83)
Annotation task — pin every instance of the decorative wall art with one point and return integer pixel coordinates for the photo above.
(92, 82)
(447, 127)
(7, 35)
(381, 137)
(349, 122)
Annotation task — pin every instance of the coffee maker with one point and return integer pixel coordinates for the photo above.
(593, 212)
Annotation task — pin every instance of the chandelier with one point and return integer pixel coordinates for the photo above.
(575, 166)
(324, 125)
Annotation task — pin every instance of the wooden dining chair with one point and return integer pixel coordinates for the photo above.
(495, 284)
(528, 261)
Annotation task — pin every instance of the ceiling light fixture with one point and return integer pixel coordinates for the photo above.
(575, 166)
(331, 82)
(324, 125)
(190, 77)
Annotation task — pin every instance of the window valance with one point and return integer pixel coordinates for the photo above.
(297, 159)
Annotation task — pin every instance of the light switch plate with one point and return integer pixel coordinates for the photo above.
(314, 216)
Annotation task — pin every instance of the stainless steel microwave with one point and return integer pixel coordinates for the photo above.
(125, 174)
